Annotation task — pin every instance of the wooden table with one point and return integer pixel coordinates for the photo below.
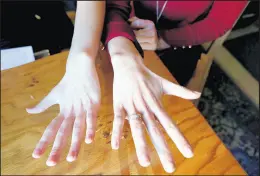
(26, 85)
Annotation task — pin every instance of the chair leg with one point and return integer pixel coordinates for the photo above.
(200, 75)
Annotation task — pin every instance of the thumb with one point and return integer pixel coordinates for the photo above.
(141, 24)
(42, 106)
(132, 19)
(170, 88)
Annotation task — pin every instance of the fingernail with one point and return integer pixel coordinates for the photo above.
(145, 161)
(71, 158)
(169, 168)
(50, 163)
(88, 140)
(28, 110)
(188, 152)
(35, 155)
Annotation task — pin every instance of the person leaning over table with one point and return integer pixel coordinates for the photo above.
(173, 29)
(134, 92)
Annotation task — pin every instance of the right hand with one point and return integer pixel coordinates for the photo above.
(137, 90)
(78, 95)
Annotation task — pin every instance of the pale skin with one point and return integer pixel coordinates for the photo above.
(146, 34)
(136, 90)
(79, 99)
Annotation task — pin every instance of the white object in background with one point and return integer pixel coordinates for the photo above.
(14, 57)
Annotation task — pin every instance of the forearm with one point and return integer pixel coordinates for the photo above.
(88, 27)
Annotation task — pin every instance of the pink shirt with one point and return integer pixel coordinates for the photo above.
(179, 24)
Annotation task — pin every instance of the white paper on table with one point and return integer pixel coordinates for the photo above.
(14, 57)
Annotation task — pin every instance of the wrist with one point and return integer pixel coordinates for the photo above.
(123, 53)
(120, 46)
(79, 61)
(89, 52)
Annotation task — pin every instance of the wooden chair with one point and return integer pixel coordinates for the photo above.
(237, 73)
(71, 15)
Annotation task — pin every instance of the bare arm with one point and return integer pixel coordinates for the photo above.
(88, 27)
(78, 93)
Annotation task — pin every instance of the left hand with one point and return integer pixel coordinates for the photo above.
(146, 34)
(137, 90)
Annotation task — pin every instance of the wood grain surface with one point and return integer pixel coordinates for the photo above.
(26, 85)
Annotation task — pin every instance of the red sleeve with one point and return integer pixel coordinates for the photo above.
(220, 19)
(117, 14)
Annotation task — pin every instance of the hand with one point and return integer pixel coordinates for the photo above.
(137, 90)
(146, 34)
(78, 95)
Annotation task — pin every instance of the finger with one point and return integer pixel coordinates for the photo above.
(156, 135)
(147, 46)
(140, 23)
(171, 129)
(145, 32)
(60, 141)
(77, 135)
(138, 137)
(48, 136)
(91, 121)
(46, 102)
(142, 39)
(174, 89)
(118, 124)
(132, 19)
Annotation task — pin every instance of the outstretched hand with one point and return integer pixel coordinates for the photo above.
(137, 93)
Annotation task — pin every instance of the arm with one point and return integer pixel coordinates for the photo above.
(220, 19)
(78, 93)
(88, 27)
(136, 90)
(116, 24)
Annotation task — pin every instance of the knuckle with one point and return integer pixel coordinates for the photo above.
(55, 150)
(48, 130)
(155, 130)
(77, 125)
(61, 132)
(89, 115)
(90, 130)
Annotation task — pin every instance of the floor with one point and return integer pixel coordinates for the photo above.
(233, 117)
